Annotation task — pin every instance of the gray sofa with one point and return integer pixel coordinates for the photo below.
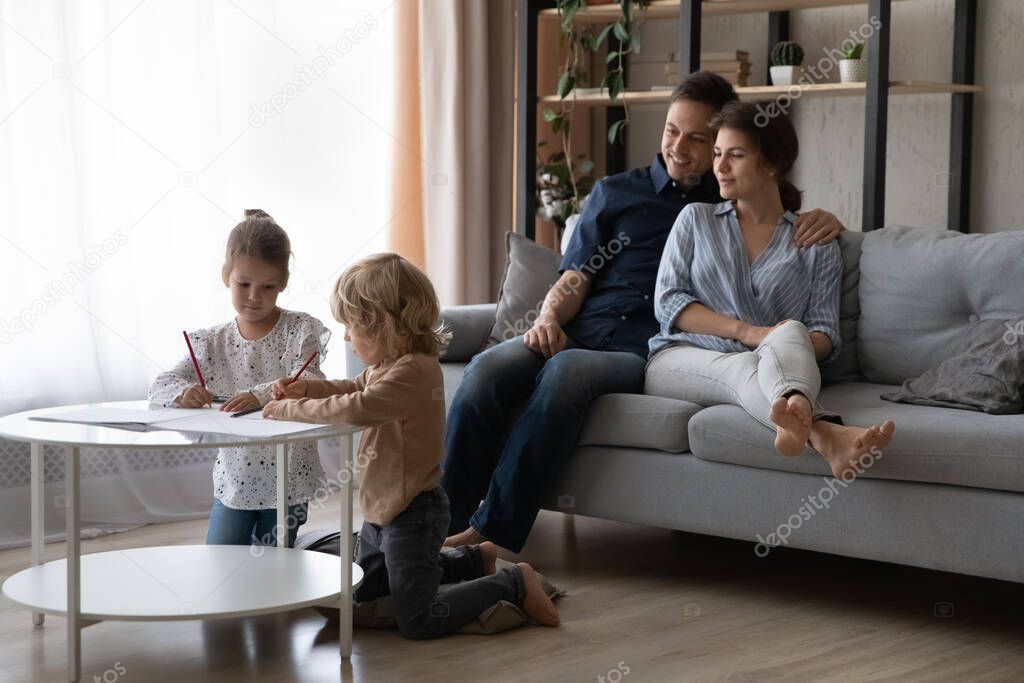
(948, 493)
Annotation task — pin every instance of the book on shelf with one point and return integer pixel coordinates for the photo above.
(734, 76)
(725, 65)
(672, 69)
(720, 55)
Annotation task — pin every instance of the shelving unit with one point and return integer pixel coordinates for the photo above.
(689, 13)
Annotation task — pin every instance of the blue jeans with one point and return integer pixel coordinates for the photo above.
(229, 526)
(405, 559)
(512, 475)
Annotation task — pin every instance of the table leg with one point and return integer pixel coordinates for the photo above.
(345, 627)
(38, 511)
(72, 472)
(281, 528)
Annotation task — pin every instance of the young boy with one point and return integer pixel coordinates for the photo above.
(389, 310)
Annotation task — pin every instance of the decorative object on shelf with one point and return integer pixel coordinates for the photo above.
(786, 58)
(732, 65)
(852, 68)
(561, 188)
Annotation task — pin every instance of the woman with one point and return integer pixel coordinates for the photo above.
(745, 314)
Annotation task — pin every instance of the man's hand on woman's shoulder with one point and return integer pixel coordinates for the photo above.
(816, 227)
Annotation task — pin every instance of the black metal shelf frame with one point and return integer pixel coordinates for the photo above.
(875, 110)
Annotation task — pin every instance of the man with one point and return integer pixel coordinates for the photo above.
(591, 336)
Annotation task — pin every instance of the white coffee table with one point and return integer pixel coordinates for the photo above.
(173, 582)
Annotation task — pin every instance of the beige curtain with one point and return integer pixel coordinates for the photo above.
(452, 181)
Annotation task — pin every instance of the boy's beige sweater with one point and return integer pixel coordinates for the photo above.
(401, 404)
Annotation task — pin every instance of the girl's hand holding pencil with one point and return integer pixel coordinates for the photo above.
(243, 401)
(194, 396)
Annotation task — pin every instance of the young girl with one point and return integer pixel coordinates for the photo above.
(390, 311)
(241, 359)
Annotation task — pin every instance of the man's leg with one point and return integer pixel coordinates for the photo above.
(545, 434)
(495, 383)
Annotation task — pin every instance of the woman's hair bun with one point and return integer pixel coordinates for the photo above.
(257, 213)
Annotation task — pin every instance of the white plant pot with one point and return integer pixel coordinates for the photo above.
(853, 70)
(785, 75)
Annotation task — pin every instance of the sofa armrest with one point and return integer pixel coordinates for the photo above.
(470, 327)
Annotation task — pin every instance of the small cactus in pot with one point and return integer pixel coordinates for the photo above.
(785, 59)
(852, 67)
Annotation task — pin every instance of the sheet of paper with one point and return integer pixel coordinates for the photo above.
(207, 420)
(101, 416)
(216, 422)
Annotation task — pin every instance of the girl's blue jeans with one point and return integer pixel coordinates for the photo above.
(229, 526)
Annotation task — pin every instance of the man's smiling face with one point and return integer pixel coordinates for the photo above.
(686, 142)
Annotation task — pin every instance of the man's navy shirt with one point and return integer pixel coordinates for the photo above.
(618, 242)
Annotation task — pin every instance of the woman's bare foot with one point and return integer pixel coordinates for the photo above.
(792, 417)
(489, 554)
(468, 537)
(536, 603)
(842, 446)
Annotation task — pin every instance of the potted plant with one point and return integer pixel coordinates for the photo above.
(564, 181)
(786, 58)
(852, 69)
(562, 188)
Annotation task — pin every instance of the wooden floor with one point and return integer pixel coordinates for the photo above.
(643, 605)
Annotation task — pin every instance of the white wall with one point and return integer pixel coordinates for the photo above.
(831, 129)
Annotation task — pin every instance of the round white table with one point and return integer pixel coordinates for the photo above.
(173, 582)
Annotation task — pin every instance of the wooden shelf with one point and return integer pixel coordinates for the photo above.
(669, 9)
(769, 91)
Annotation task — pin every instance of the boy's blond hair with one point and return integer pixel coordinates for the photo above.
(393, 301)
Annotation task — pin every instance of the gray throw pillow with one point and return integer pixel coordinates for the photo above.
(986, 373)
(530, 271)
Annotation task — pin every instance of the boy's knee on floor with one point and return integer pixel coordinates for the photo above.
(424, 625)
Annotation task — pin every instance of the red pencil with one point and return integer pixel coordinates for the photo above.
(192, 353)
(302, 369)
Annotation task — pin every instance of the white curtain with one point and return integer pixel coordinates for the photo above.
(132, 136)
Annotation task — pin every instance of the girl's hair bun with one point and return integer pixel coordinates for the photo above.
(257, 213)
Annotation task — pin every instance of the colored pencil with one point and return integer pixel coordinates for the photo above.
(195, 362)
(303, 368)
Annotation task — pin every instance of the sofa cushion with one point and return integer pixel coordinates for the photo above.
(921, 289)
(617, 419)
(638, 421)
(940, 445)
(844, 367)
(530, 271)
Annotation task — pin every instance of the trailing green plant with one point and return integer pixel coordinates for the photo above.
(561, 186)
(854, 51)
(576, 41)
(787, 53)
